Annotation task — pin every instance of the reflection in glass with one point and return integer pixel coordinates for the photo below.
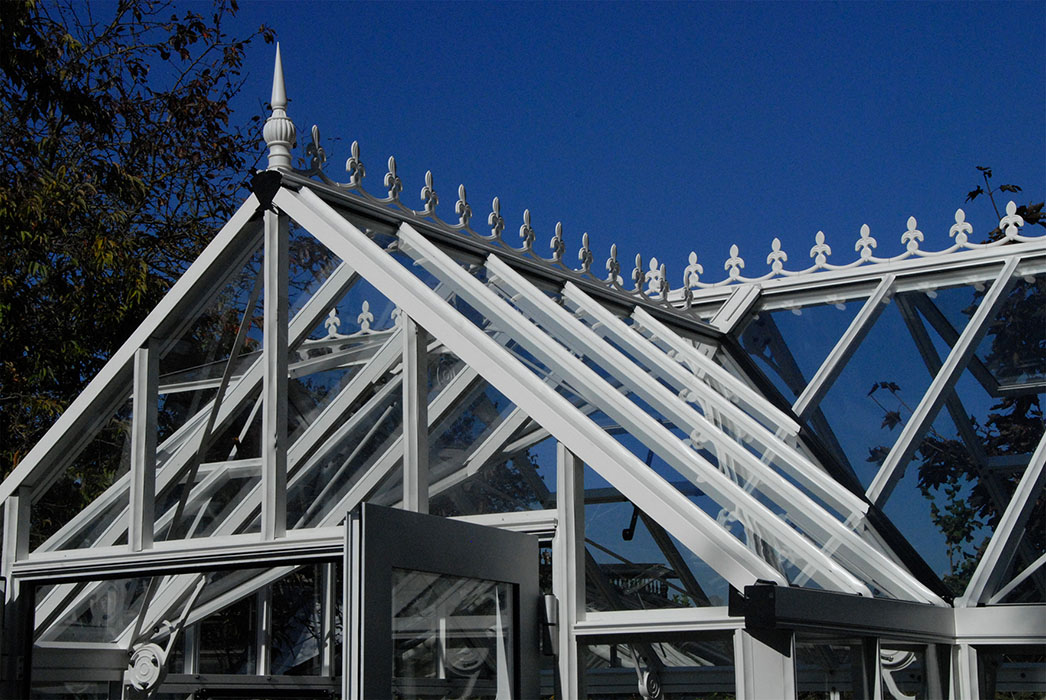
(829, 669)
(903, 673)
(1011, 672)
(696, 668)
(452, 636)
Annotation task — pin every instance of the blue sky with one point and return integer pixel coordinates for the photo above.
(671, 127)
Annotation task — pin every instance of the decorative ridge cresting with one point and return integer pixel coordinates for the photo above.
(646, 282)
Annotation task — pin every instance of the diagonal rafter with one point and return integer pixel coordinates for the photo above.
(903, 450)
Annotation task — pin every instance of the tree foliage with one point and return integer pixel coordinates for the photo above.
(118, 161)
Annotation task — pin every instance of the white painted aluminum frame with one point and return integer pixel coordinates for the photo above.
(705, 368)
(1003, 545)
(800, 508)
(661, 366)
(595, 390)
(833, 365)
(904, 448)
(688, 523)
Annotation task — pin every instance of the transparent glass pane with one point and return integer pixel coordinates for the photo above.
(1014, 350)
(1011, 672)
(829, 668)
(904, 672)
(297, 622)
(452, 636)
(789, 345)
(699, 667)
(228, 641)
(87, 505)
(97, 611)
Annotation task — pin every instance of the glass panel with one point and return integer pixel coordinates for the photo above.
(452, 636)
(1011, 672)
(329, 461)
(829, 669)
(297, 622)
(310, 263)
(790, 344)
(1014, 349)
(86, 506)
(1026, 562)
(518, 473)
(694, 668)
(904, 672)
(99, 611)
(963, 474)
(633, 563)
(71, 691)
(228, 639)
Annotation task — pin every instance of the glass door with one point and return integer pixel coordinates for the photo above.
(439, 609)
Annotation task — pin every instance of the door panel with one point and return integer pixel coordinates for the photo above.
(439, 608)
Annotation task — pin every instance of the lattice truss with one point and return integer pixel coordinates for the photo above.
(331, 347)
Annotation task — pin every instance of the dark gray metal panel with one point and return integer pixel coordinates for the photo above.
(769, 607)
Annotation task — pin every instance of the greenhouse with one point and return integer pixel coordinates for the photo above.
(362, 450)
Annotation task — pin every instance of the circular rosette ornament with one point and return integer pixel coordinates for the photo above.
(650, 686)
(147, 668)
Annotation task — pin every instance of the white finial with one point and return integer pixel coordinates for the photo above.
(279, 90)
(279, 130)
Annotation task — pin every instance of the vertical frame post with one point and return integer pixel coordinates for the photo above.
(415, 417)
(274, 385)
(568, 565)
(17, 630)
(964, 672)
(765, 671)
(143, 449)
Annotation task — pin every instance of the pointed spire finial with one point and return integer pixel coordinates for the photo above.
(279, 130)
(279, 90)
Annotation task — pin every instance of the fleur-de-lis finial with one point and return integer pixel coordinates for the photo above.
(865, 243)
(332, 323)
(734, 264)
(428, 194)
(584, 256)
(693, 271)
(317, 156)
(777, 257)
(495, 220)
(820, 250)
(613, 266)
(961, 229)
(1011, 223)
(912, 236)
(653, 277)
(526, 232)
(462, 208)
(393, 183)
(354, 166)
(556, 244)
(638, 275)
(365, 317)
(662, 283)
